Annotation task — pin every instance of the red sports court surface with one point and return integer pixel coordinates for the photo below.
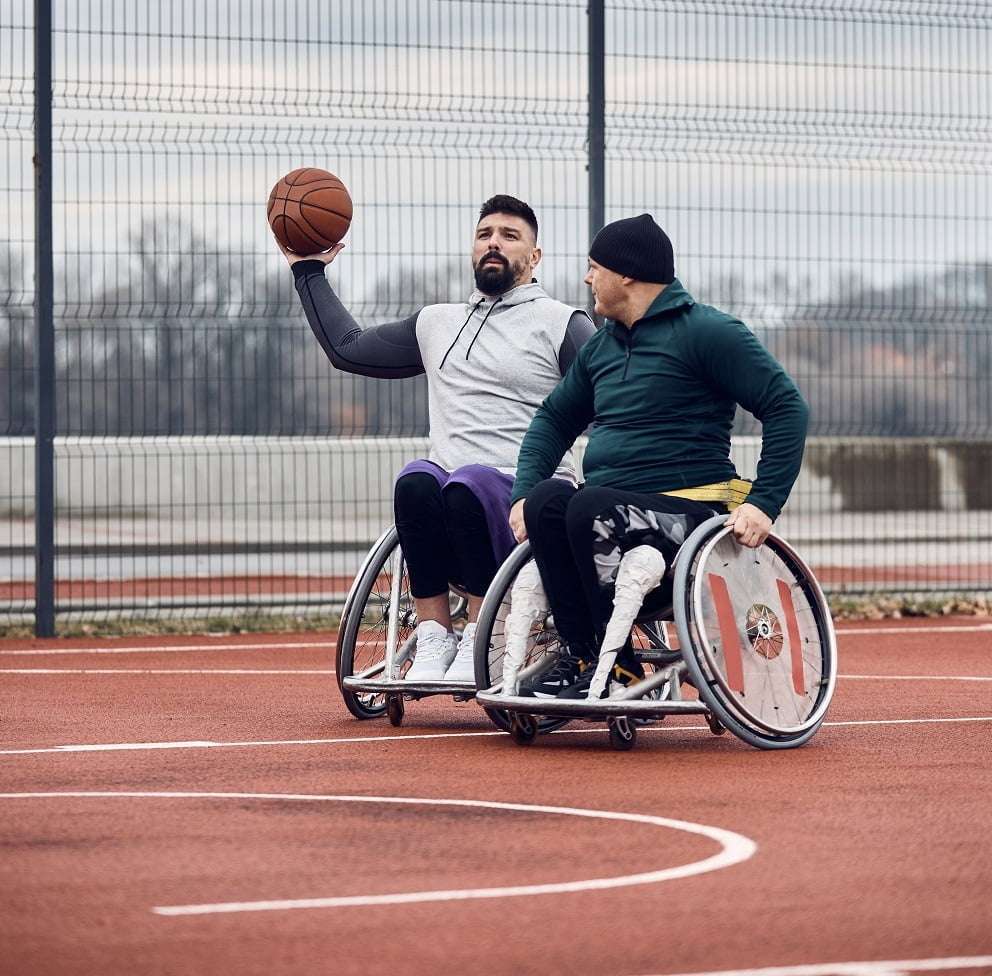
(208, 805)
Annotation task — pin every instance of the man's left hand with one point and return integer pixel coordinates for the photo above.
(751, 526)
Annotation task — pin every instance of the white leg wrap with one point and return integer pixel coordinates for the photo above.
(641, 570)
(528, 603)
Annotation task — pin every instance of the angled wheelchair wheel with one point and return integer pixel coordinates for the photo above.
(544, 643)
(365, 621)
(756, 635)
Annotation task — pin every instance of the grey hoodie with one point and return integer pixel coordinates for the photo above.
(489, 362)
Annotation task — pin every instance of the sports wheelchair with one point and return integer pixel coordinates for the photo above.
(755, 641)
(376, 640)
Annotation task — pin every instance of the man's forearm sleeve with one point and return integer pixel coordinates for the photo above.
(564, 414)
(388, 351)
(579, 329)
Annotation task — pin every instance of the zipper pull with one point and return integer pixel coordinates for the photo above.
(626, 361)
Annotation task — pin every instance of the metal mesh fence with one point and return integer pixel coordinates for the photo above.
(822, 167)
(823, 170)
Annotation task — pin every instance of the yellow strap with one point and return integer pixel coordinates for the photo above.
(732, 493)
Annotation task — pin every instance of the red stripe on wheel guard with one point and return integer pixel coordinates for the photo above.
(795, 644)
(729, 637)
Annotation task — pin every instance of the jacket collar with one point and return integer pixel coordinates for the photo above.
(515, 296)
(673, 299)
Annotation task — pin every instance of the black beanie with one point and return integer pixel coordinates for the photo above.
(635, 247)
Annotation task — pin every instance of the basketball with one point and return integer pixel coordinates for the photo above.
(309, 210)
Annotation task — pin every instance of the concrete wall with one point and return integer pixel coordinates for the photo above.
(260, 477)
(868, 515)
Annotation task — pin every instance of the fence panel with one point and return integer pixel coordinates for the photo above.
(822, 168)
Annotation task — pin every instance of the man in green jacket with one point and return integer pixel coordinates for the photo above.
(660, 382)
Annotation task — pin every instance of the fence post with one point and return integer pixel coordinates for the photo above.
(44, 376)
(597, 117)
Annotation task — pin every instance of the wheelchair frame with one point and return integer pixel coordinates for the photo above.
(379, 679)
(722, 700)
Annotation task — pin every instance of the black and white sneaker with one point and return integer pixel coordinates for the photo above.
(572, 665)
(623, 674)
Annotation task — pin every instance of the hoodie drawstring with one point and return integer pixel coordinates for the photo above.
(484, 320)
(475, 308)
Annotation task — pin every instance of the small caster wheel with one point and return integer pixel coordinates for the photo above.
(714, 723)
(523, 728)
(623, 733)
(395, 709)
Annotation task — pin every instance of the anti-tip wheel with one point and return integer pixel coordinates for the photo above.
(716, 727)
(395, 709)
(623, 733)
(523, 729)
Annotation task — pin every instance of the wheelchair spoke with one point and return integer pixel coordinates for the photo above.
(759, 632)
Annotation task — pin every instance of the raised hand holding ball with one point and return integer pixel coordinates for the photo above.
(309, 211)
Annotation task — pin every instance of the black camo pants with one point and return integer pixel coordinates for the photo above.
(578, 537)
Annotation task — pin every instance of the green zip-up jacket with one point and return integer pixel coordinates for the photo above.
(662, 395)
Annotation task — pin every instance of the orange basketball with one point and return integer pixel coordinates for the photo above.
(309, 210)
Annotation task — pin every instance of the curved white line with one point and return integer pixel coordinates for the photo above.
(735, 849)
(881, 968)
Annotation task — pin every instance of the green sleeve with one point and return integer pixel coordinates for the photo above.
(565, 413)
(738, 364)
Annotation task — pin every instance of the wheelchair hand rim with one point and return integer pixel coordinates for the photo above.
(824, 623)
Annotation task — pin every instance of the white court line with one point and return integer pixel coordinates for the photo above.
(249, 743)
(3, 671)
(915, 677)
(164, 648)
(887, 968)
(207, 744)
(173, 648)
(935, 629)
(159, 671)
(735, 849)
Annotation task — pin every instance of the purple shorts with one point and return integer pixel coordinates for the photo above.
(491, 487)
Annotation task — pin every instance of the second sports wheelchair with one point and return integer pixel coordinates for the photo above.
(377, 640)
(756, 652)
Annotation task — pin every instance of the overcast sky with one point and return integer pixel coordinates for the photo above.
(822, 139)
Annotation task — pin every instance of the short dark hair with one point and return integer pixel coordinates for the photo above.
(501, 203)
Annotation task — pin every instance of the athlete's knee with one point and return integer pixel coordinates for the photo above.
(585, 506)
(415, 492)
(460, 500)
(544, 498)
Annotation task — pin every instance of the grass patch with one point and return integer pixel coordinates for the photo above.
(218, 626)
(897, 608)
(879, 607)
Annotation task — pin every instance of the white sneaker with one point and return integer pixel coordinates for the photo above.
(463, 666)
(436, 648)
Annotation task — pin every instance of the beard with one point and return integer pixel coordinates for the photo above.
(494, 278)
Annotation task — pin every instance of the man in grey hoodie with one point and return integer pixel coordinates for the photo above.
(489, 364)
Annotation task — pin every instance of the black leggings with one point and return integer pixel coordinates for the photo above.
(578, 537)
(444, 536)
